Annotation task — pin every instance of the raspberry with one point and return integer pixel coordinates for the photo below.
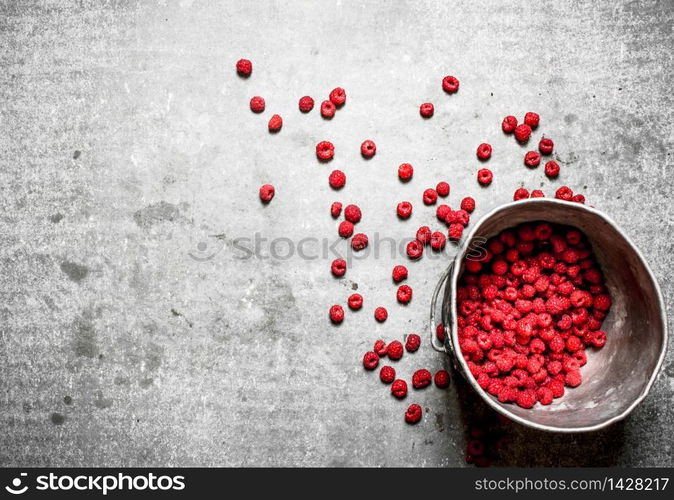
(423, 235)
(336, 314)
(368, 149)
(352, 213)
(405, 171)
(526, 399)
(325, 150)
(537, 193)
(455, 231)
(413, 414)
(484, 176)
(426, 110)
(345, 229)
(557, 388)
(275, 123)
(598, 339)
(355, 302)
(552, 169)
(483, 151)
(399, 388)
(359, 241)
(327, 109)
(520, 194)
(244, 67)
(442, 211)
(573, 378)
(578, 198)
(370, 360)
(450, 84)
(564, 193)
(442, 379)
(413, 342)
(440, 332)
(335, 209)
(544, 395)
(442, 189)
(404, 294)
(556, 344)
(338, 96)
(430, 196)
(337, 179)
(267, 192)
(380, 348)
(399, 273)
(387, 374)
(531, 119)
(338, 267)
(522, 132)
(395, 350)
(602, 302)
(306, 104)
(509, 124)
(404, 209)
(545, 146)
(257, 104)
(543, 231)
(380, 314)
(421, 378)
(438, 241)
(415, 249)
(532, 159)
(468, 204)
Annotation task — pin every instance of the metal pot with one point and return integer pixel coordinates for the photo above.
(617, 377)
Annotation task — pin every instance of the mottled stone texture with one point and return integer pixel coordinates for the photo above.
(132, 331)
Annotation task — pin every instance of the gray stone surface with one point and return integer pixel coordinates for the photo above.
(131, 330)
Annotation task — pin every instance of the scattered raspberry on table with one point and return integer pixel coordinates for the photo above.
(430, 196)
(442, 379)
(552, 169)
(395, 350)
(404, 294)
(352, 213)
(336, 209)
(450, 84)
(415, 249)
(338, 96)
(442, 189)
(336, 314)
(380, 314)
(387, 374)
(370, 360)
(413, 342)
(532, 119)
(484, 151)
(267, 192)
(338, 267)
(380, 348)
(405, 171)
(337, 179)
(404, 209)
(368, 149)
(327, 109)
(244, 67)
(355, 302)
(509, 124)
(359, 242)
(413, 414)
(545, 146)
(325, 151)
(257, 104)
(275, 123)
(306, 104)
(532, 159)
(484, 176)
(399, 388)
(522, 132)
(421, 378)
(399, 273)
(426, 110)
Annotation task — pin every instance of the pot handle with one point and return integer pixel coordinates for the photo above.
(446, 346)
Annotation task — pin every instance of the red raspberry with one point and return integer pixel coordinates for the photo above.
(413, 342)
(526, 399)
(325, 150)
(440, 332)
(370, 360)
(405, 171)
(327, 109)
(368, 149)
(484, 176)
(306, 104)
(387, 374)
(531, 119)
(337, 179)
(532, 159)
(380, 314)
(450, 84)
(557, 388)
(578, 198)
(426, 110)
(355, 302)
(573, 344)
(413, 414)
(438, 241)
(335, 209)
(484, 151)
(257, 104)
(441, 212)
(244, 67)
(552, 169)
(399, 388)
(442, 189)
(404, 209)
(508, 125)
(455, 231)
(537, 193)
(602, 302)
(556, 344)
(336, 314)
(442, 379)
(415, 249)
(267, 192)
(345, 229)
(423, 235)
(399, 273)
(352, 213)
(545, 146)
(395, 350)
(598, 339)
(468, 204)
(404, 294)
(275, 123)
(338, 267)
(520, 194)
(421, 378)
(522, 132)
(380, 348)
(338, 96)
(544, 395)
(573, 378)
(564, 193)
(430, 196)
(359, 241)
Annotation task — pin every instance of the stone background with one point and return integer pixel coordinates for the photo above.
(132, 331)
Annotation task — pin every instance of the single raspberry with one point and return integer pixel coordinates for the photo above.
(573, 378)
(325, 150)
(430, 196)
(352, 213)
(442, 189)
(545, 146)
(532, 159)
(267, 192)
(468, 204)
(336, 314)
(338, 96)
(404, 294)
(426, 110)
(395, 350)
(415, 249)
(578, 198)
(405, 171)
(531, 119)
(526, 399)
(522, 132)
(442, 379)
(421, 378)
(557, 388)
(509, 124)
(598, 339)
(380, 314)
(438, 241)
(413, 342)
(306, 104)
(440, 332)
(537, 193)
(355, 302)
(544, 395)
(359, 241)
(442, 211)
(335, 209)
(370, 360)
(413, 414)
(345, 229)
(404, 209)
(338, 267)
(387, 374)
(520, 194)
(368, 149)
(564, 193)
(602, 302)
(327, 109)
(244, 67)
(551, 169)
(455, 231)
(275, 123)
(484, 151)
(423, 235)
(380, 348)
(399, 273)
(257, 104)
(337, 179)
(450, 84)
(399, 388)
(484, 176)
